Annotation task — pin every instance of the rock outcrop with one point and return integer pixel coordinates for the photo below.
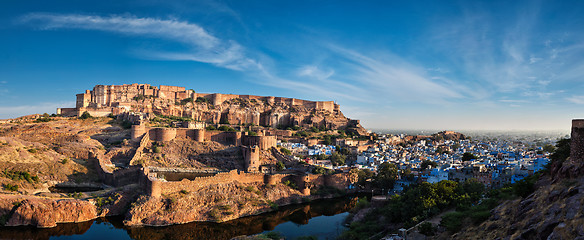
(554, 211)
(216, 203)
(47, 213)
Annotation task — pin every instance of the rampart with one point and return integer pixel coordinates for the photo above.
(263, 142)
(115, 99)
(305, 182)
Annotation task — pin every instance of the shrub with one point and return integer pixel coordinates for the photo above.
(43, 119)
(85, 115)
(32, 150)
(185, 192)
(226, 129)
(427, 229)
(273, 235)
(65, 160)
(273, 205)
(156, 149)
(280, 166)
(139, 97)
(452, 221)
(20, 175)
(285, 151)
(11, 187)
(290, 184)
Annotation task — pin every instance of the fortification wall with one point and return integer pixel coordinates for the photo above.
(251, 158)
(67, 112)
(96, 112)
(224, 137)
(137, 132)
(143, 143)
(198, 183)
(263, 142)
(162, 134)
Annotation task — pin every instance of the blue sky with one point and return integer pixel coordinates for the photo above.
(393, 64)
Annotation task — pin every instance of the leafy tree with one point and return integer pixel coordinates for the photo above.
(226, 129)
(427, 229)
(562, 151)
(321, 170)
(386, 175)
(85, 115)
(468, 156)
(549, 148)
(280, 166)
(364, 174)
(338, 159)
(285, 151)
(427, 163)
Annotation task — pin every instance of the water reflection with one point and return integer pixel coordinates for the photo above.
(65, 229)
(297, 214)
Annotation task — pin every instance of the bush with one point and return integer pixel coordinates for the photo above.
(273, 235)
(20, 175)
(85, 115)
(139, 97)
(43, 119)
(273, 205)
(526, 186)
(11, 187)
(157, 149)
(285, 151)
(280, 166)
(452, 221)
(226, 129)
(427, 228)
(290, 184)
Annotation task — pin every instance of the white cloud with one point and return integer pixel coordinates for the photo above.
(392, 77)
(314, 72)
(202, 46)
(23, 110)
(576, 99)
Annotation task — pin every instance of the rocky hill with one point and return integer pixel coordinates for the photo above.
(275, 112)
(555, 210)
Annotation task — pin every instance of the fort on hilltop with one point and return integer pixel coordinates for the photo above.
(211, 108)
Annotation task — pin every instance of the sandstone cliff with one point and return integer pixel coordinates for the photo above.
(46, 212)
(217, 203)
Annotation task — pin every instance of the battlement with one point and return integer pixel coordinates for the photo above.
(108, 97)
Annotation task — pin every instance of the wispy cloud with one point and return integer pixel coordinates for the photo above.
(22, 110)
(576, 99)
(395, 78)
(201, 45)
(315, 72)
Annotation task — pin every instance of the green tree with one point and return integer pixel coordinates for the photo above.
(549, 148)
(427, 228)
(427, 163)
(468, 156)
(280, 166)
(338, 159)
(85, 115)
(562, 151)
(285, 151)
(364, 174)
(386, 175)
